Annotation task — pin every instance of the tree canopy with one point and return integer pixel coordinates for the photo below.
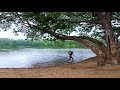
(36, 24)
(59, 25)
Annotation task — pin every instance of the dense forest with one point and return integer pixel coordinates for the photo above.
(6, 43)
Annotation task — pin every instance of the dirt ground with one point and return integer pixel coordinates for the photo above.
(84, 69)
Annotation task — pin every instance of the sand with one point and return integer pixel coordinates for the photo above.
(84, 69)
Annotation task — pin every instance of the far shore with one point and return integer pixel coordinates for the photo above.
(84, 69)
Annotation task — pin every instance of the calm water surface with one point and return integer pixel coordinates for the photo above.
(30, 57)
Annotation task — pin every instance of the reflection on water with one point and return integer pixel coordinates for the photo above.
(26, 58)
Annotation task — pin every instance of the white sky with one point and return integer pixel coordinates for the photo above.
(9, 34)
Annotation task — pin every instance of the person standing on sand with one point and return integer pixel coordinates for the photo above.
(70, 56)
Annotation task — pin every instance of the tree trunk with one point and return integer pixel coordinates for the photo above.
(102, 47)
(113, 53)
(113, 49)
(97, 50)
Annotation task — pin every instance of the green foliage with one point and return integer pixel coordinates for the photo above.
(58, 22)
(9, 43)
(62, 23)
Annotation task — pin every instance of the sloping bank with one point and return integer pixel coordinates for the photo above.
(84, 69)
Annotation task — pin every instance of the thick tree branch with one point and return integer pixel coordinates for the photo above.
(64, 37)
(100, 15)
(97, 42)
(58, 36)
(80, 39)
(99, 49)
(108, 15)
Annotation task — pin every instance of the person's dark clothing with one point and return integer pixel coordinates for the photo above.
(70, 55)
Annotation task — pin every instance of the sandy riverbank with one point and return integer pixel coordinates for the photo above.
(85, 69)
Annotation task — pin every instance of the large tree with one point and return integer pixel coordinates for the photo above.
(59, 25)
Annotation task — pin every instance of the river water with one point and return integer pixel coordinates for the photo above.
(30, 57)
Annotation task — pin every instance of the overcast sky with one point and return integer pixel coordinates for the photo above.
(9, 34)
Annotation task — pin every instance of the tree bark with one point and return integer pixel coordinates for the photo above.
(96, 49)
(113, 49)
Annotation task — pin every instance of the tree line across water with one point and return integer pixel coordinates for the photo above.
(6, 43)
